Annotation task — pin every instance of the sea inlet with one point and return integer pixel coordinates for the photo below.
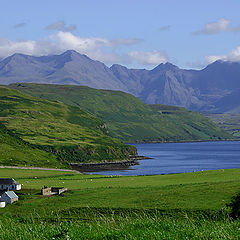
(167, 158)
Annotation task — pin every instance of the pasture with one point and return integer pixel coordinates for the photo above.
(114, 207)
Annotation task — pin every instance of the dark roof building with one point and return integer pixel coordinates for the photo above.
(9, 184)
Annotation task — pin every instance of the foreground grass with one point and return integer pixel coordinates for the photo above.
(176, 206)
(124, 227)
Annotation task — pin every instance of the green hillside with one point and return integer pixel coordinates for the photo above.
(227, 121)
(64, 132)
(129, 119)
(16, 152)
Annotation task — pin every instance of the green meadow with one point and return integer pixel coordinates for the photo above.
(175, 206)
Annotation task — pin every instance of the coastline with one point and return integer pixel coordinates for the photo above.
(104, 166)
(39, 168)
(185, 141)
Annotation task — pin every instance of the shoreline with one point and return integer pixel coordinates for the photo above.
(186, 141)
(39, 168)
(89, 167)
(105, 166)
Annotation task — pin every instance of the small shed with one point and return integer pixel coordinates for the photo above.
(9, 184)
(9, 197)
(46, 191)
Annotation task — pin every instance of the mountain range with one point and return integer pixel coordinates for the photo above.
(214, 89)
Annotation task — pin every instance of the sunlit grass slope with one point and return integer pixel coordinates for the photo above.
(127, 117)
(16, 152)
(66, 131)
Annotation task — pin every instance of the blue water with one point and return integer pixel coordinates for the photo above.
(183, 157)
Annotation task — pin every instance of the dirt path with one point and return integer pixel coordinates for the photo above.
(38, 168)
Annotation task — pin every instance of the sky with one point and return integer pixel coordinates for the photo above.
(133, 33)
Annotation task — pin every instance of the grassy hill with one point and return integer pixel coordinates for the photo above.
(16, 152)
(129, 119)
(228, 122)
(62, 132)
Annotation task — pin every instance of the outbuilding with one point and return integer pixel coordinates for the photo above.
(9, 184)
(2, 204)
(9, 197)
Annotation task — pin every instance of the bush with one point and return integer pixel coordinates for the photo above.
(235, 206)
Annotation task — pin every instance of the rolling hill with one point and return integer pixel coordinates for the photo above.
(228, 122)
(129, 119)
(53, 130)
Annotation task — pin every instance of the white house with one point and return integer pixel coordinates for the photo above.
(9, 197)
(2, 204)
(9, 184)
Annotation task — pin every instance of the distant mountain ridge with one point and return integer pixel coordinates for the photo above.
(213, 89)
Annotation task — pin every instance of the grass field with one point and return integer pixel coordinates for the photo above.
(176, 206)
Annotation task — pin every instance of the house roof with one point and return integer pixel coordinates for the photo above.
(11, 194)
(7, 181)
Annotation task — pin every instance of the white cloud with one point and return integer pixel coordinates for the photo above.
(148, 58)
(61, 26)
(9, 47)
(222, 25)
(234, 56)
(97, 48)
(102, 49)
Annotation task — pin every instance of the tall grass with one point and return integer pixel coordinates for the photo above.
(138, 225)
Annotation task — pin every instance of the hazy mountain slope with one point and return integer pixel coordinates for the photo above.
(167, 84)
(68, 68)
(67, 131)
(133, 79)
(127, 117)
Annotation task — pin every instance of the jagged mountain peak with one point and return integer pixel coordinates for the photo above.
(222, 63)
(165, 67)
(72, 54)
(117, 66)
